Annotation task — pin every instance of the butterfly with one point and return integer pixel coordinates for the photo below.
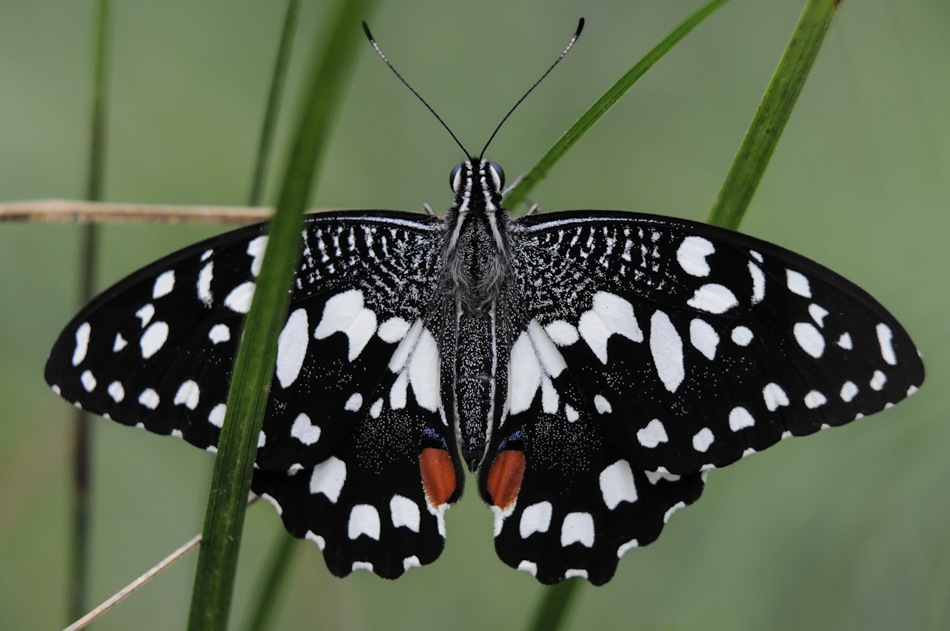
(590, 366)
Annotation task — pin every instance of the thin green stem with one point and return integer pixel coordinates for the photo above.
(776, 107)
(278, 81)
(273, 580)
(539, 171)
(269, 587)
(555, 603)
(254, 368)
(82, 437)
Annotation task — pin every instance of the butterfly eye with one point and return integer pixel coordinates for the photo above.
(499, 174)
(454, 177)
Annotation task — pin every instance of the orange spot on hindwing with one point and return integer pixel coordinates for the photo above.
(504, 477)
(438, 475)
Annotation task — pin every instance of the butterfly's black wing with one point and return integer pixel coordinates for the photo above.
(354, 400)
(660, 347)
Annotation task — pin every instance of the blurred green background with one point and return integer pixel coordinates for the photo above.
(849, 529)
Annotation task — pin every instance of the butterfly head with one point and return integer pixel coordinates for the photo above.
(478, 185)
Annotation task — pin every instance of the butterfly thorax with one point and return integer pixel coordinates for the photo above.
(476, 263)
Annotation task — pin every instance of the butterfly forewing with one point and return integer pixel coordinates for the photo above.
(695, 346)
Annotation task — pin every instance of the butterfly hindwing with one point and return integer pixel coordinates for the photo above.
(378, 501)
(695, 345)
(566, 500)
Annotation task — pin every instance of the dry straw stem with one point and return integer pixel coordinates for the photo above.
(157, 569)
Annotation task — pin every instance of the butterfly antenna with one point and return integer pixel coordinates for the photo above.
(577, 33)
(372, 41)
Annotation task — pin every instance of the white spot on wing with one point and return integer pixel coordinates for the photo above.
(328, 478)
(549, 398)
(404, 512)
(667, 350)
(304, 430)
(602, 405)
(885, 338)
(317, 539)
(88, 381)
(410, 562)
(571, 414)
(740, 418)
(675, 507)
(240, 298)
(575, 573)
(116, 391)
(524, 375)
(809, 339)
(216, 416)
(119, 343)
(188, 394)
(817, 314)
(362, 565)
(149, 398)
(273, 502)
(703, 337)
(529, 567)
(774, 396)
(608, 316)
(153, 339)
(551, 359)
(878, 379)
(848, 391)
(758, 283)
(345, 313)
(845, 341)
(562, 333)
(617, 485)
(204, 284)
(692, 255)
(364, 520)
(622, 550)
(578, 528)
(424, 372)
(256, 249)
(292, 347)
(703, 439)
(535, 518)
(652, 435)
(354, 403)
(376, 409)
(82, 343)
(398, 394)
(814, 399)
(145, 314)
(741, 336)
(797, 283)
(713, 298)
(164, 284)
(393, 330)
(219, 333)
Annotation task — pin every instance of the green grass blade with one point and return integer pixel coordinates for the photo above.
(254, 367)
(555, 603)
(773, 113)
(273, 581)
(278, 80)
(82, 437)
(539, 171)
(269, 587)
